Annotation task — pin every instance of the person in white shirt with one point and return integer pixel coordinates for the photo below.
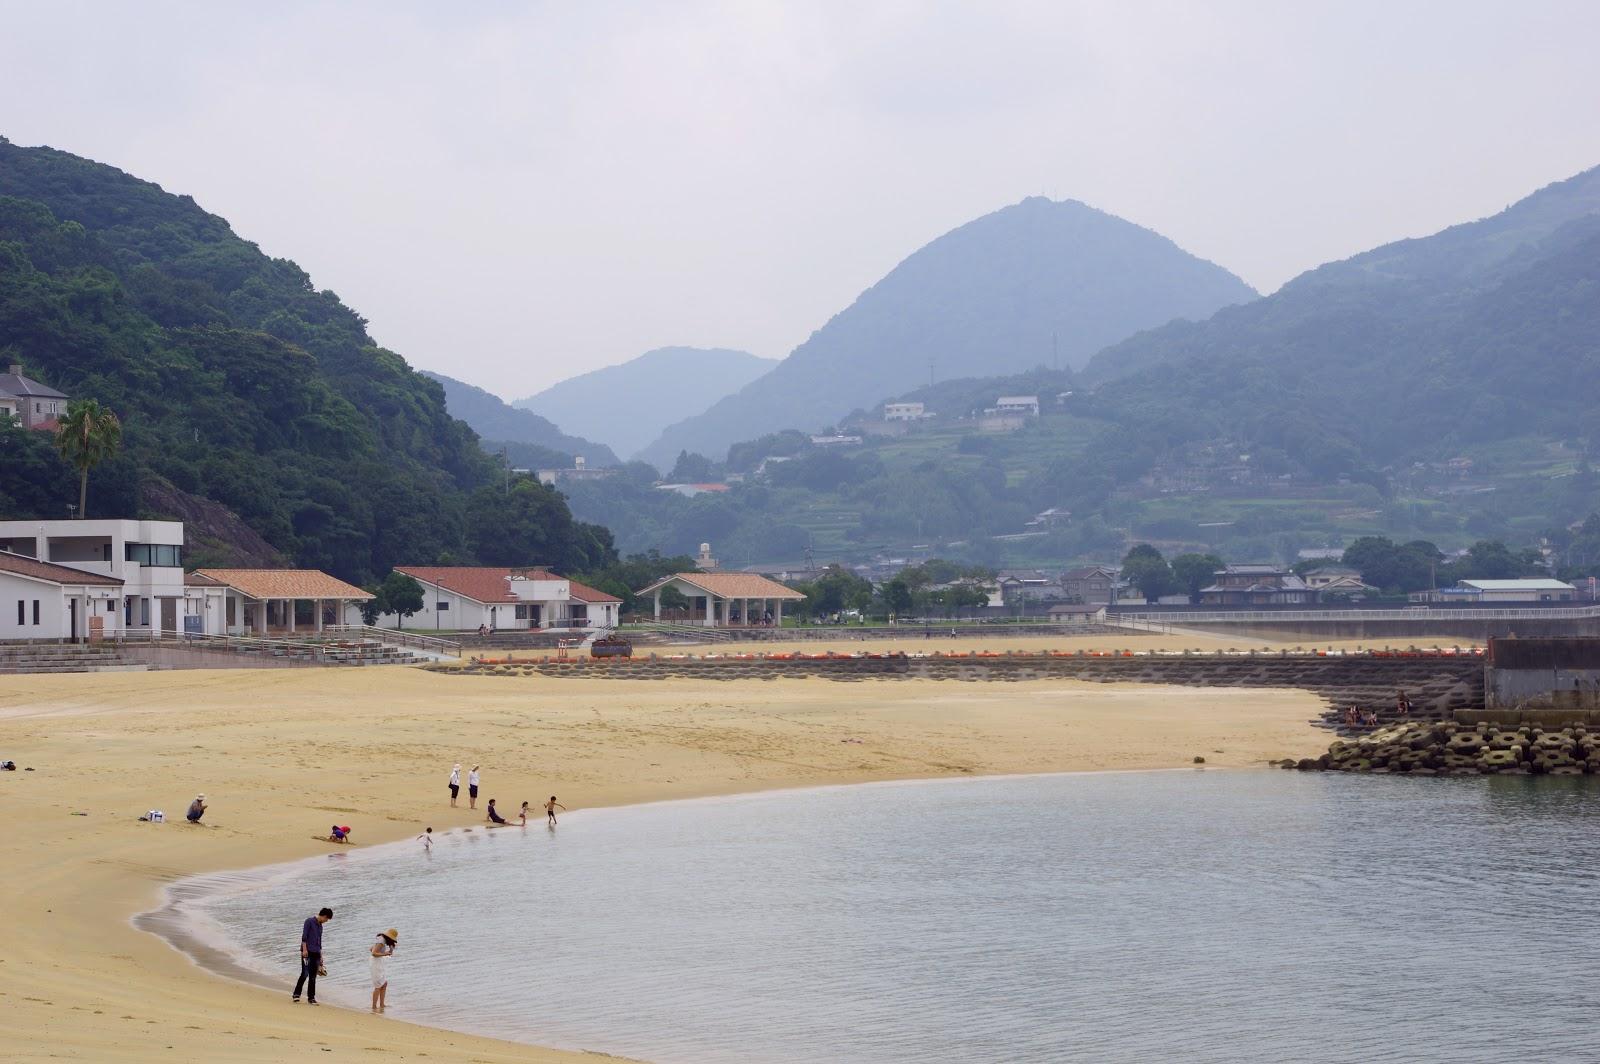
(455, 783)
(426, 838)
(472, 788)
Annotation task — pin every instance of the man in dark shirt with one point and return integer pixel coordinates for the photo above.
(311, 955)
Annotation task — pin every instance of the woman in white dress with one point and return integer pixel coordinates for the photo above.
(382, 950)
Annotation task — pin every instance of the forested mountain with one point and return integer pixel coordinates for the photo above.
(499, 423)
(1439, 388)
(237, 381)
(644, 395)
(1486, 331)
(1019, 288)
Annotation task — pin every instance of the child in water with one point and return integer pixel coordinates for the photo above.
(550, 808)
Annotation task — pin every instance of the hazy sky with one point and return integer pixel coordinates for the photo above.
(514, 193)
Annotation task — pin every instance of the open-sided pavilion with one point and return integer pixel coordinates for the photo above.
(723, 600)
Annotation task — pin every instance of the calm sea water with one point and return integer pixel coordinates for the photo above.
(1204, 916)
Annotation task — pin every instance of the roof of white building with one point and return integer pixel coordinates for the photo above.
(1532, 584)
(53, 573)
(265, 584)
(729, 586)
(488, 584)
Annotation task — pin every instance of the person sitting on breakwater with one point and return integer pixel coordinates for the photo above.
(1371, 718)
(1402, 704)
(494, 814)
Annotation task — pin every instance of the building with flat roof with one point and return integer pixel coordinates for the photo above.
(143, 558)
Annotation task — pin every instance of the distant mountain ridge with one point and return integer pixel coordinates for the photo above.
(1031, 283)
(496, 421)
(644, 395)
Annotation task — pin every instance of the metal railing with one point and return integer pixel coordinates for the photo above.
(698, 633)
(1160, 621)
(398, 636)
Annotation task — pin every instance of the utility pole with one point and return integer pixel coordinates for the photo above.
(505, 459)
(1055, 352)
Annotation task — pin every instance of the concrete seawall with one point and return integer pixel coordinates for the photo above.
(1437, 684)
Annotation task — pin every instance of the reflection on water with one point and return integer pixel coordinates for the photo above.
(1198, 915)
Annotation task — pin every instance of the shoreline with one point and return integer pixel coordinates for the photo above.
(176, 927)
(276, 750)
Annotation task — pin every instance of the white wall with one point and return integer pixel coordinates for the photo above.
(55, 616)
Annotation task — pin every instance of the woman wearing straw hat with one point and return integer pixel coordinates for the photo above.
(382, 950)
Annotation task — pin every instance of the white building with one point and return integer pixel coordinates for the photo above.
(1539, 589)
(39, 600)
(1026, 405)
(579, 470)
(265, 601)
(463, 598)
(145, 558)
(719, 600)
(903, 411)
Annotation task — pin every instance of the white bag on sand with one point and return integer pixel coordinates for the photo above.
(156, 816)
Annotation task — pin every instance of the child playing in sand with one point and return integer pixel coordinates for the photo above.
(550, 808)
(339, 834)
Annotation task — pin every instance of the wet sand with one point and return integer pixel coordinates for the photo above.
(282, 754)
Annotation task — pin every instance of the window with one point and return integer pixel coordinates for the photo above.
(35, 612)
(522, 613)
(160, 554)
(22, 612)
(443, 605)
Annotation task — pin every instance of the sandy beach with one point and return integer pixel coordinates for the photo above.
(282, 754)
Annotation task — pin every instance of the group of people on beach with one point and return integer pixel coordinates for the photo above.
(311, 965)
(383, 947)
(494, 816)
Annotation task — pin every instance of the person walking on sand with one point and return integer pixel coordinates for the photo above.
(550, 808)
(455, 783)
(311, 955)
(382, 950)
(472, 788)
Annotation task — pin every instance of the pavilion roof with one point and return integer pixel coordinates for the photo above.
(286, 584)
(730, 586)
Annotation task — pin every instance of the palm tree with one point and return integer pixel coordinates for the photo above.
(87, 436)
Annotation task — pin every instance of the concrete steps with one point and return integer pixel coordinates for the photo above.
(29, 658)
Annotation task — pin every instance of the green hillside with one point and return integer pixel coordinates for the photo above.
(237, 381)
(1438, 388)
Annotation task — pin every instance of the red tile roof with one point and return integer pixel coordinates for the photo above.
(286, 584)
(489, 585)
(55, 574)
